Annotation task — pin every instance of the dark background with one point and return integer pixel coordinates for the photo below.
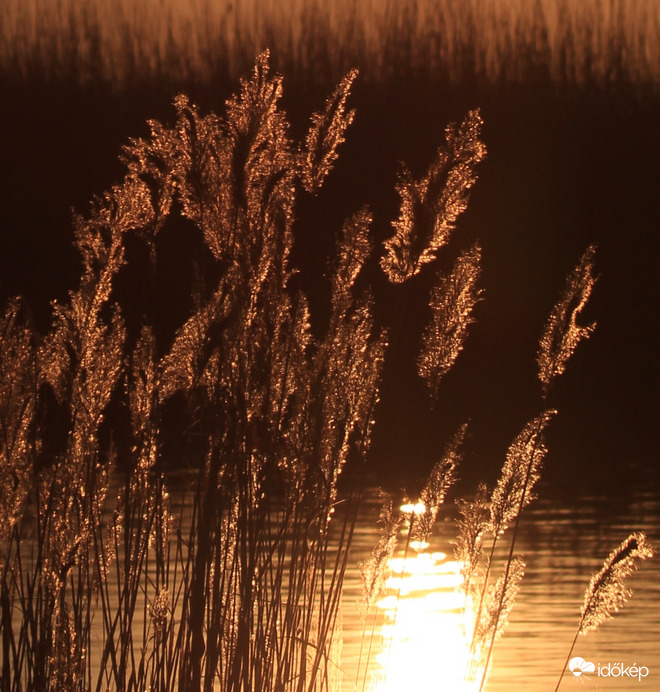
(568, 165)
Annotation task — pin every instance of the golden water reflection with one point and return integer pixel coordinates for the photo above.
(427, 622)
(426, 633)
(564, 540)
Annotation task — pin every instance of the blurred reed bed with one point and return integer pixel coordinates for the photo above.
(452, 41)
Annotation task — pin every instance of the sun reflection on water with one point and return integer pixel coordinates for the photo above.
(427, 624)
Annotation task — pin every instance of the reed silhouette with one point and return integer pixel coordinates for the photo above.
(607, 592)
(116, 575)
(489, 514)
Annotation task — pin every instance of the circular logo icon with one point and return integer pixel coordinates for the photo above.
(579, 666)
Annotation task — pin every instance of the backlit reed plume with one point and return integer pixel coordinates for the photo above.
(441, 478)
(607, 591)
(497, 606)
(512, 493)
(431, 205)
(18, 398)
(373, 570)
(452, 300)
(469, 542)
(246, 592)
(326, 134)
(562, 332)
(520, 472)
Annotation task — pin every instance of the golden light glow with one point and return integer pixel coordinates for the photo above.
(413, 508)
(427, 626)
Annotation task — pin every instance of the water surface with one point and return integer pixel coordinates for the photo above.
(564, 541)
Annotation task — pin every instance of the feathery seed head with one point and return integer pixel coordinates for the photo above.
(430, 206)
(562, 333)
(521, 470)
(607, 592)
(452, 301)
(441, 478)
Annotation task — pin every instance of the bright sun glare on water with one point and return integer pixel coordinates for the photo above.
(427, 629)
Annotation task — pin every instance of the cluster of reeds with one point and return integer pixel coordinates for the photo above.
(492, 572)
(124, 42)
(487, 517)
(107, 581)
(103, 585)
(115, 575)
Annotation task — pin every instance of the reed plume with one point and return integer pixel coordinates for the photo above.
(520, 472)
(471, 529)
(452, 301)
(562, 333)
(326, 134)
(512, 493)
(373, 570)
(18, 401)
(441, 478)
(607, 591)
(431, 205)
(354, 249)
